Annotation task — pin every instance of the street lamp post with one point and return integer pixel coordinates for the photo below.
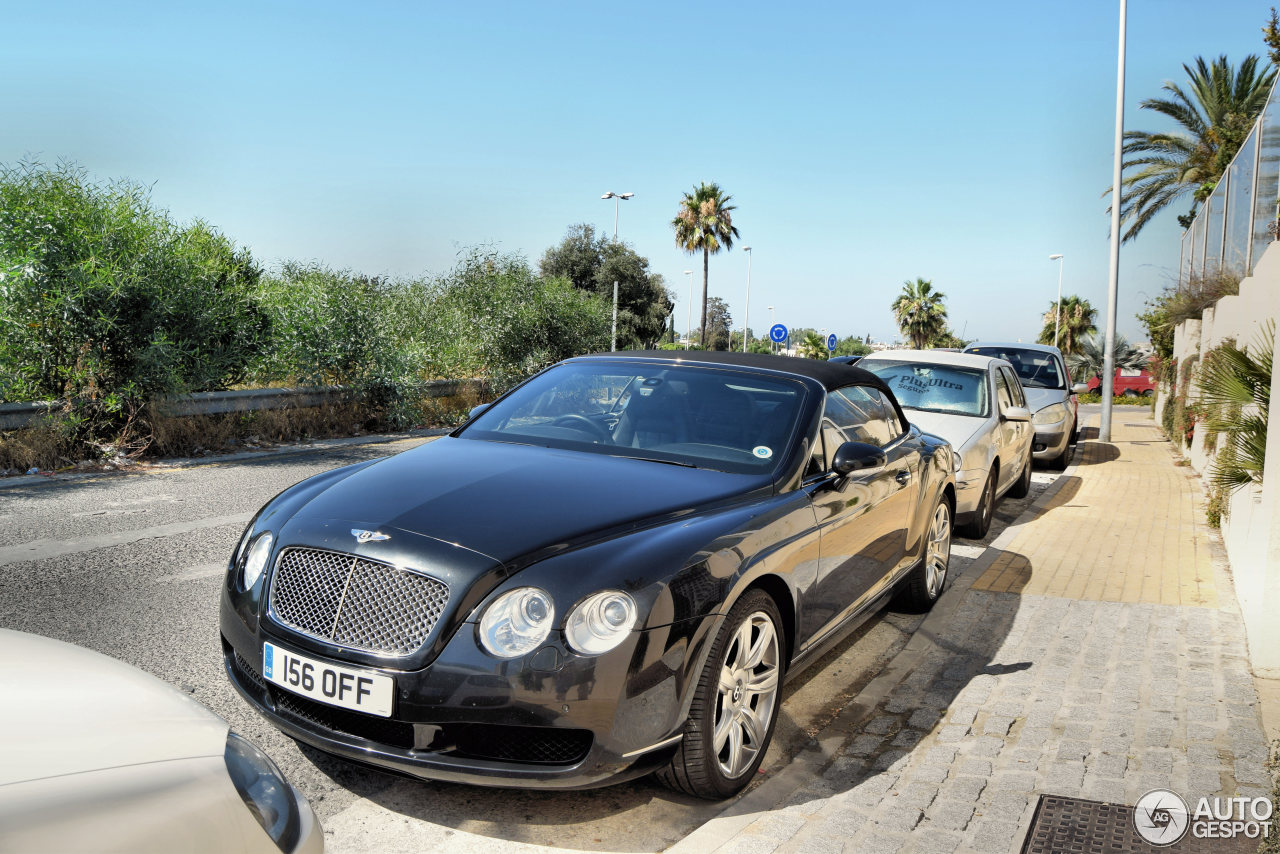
(688, 336)
(1113, 287)
(773, 347)
(618, 199)
(1057, 311)
(746, 314)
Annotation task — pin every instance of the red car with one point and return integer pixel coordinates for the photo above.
(1130, 382)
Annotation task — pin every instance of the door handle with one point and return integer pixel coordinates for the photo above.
(903, 477)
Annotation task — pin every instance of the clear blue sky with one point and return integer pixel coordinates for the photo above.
(864, 143)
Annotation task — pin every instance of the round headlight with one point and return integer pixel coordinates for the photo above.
(256, 562)
(1051, 414)
(517, 622)
(600, 622)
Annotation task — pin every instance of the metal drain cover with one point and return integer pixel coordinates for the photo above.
(1077, 825)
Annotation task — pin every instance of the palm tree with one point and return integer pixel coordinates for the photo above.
(1216, 116)
(1235, 389)
(920, 313)
(813, 347)
(1074, 322)
(1090, 361)
(705, 222)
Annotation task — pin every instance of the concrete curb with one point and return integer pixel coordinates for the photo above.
(822, 750)
(220, 459)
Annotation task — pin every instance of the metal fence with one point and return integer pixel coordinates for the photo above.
(1232, 227)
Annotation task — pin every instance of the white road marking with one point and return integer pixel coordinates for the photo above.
(46, 549)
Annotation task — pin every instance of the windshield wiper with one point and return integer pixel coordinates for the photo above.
(654, 460)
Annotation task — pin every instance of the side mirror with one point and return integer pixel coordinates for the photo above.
(1015, 413)
(476, 410)
(1081, 388)
(858, 457)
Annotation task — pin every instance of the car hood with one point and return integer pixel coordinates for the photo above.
(956, 429)
(515, 503)
(1039, 398)
(69, 710)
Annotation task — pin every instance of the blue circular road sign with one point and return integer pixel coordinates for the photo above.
(831, 342)
(778, 333)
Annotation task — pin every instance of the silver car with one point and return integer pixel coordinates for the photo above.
(1051, 396)
(99, 756)
(976, 404)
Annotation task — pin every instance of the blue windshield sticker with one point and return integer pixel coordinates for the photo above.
(762, 452)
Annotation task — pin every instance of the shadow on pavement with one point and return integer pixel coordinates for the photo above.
(640, 815)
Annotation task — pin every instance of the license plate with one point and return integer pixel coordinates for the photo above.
(347, 687)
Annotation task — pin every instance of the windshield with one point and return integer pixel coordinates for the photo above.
(679, 414)
(1036, 369)
(934, 388)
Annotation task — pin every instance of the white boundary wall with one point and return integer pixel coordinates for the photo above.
(1251, 529)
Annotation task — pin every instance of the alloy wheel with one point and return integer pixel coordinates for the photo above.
(939, 551)
(747, 695)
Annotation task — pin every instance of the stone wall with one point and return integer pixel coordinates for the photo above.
(1251, 526)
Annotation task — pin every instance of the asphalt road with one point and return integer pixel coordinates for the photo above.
(129, 564)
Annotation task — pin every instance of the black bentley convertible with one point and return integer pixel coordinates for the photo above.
(607, 572)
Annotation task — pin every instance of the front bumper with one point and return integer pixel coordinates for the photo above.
(1051, 441)
(550, 720)
(969, 485)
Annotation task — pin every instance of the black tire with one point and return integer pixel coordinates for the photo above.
(1059, 463)
(977, 528)
(1149, 392)
(697, 766)
(922, 587)
(1022, 486)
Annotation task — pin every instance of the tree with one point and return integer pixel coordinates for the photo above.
(704, 222)
(948, 338)
(593, 263)
(852, 346)
(1216, 116)
(717, 335)
(813, 347)
(1075, 321)
(920, 313)
(1235, 390)
(1090, 361)
(1271, 36)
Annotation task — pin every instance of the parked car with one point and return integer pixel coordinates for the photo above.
(99, 756)
(1130, 382)
(976, 404)
(606, 573)
(1051, 396)
(845, 360)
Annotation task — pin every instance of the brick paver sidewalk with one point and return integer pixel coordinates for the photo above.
(1096, 651)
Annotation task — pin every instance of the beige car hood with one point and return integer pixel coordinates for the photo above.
(67, 710)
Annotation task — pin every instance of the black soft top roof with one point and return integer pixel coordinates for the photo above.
(832, 375)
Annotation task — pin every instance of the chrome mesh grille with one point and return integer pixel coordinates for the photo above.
(355, 602)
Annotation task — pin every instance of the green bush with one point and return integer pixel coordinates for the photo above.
(106, 302)
(1118, 400)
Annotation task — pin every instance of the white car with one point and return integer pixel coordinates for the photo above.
(975, 403)
(96, 755)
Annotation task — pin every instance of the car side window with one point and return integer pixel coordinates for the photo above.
(1015, 387)
(860, 415)
(1003, 393)
(896, 425)
(825, 443)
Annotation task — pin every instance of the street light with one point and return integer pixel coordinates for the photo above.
(773, 347)
(1057, 312)
(618, 198)
(689, 321)
(746, 314)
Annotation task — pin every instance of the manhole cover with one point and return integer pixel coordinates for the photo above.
(1072, 824)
